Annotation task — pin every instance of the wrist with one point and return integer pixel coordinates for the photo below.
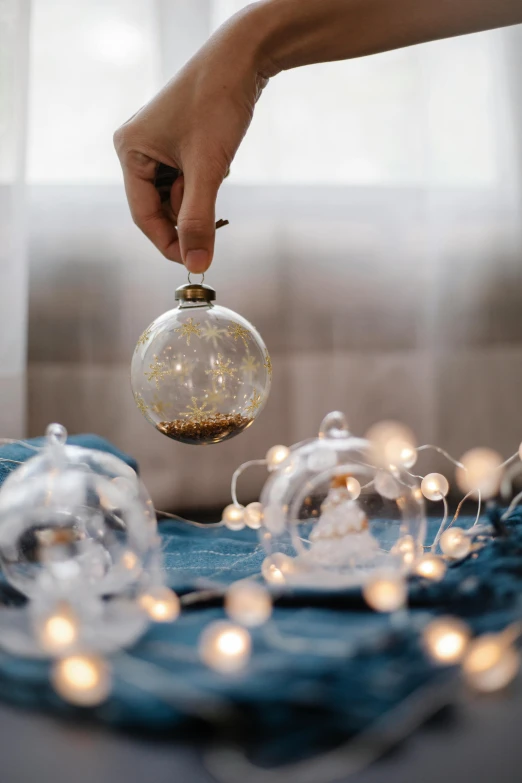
(259, 27)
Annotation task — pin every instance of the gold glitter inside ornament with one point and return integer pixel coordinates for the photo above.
(200, 373)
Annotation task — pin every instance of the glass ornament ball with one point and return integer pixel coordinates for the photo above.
(200, 373)
(75, 522)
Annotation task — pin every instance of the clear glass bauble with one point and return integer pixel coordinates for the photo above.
(74, 521)
(200, 373)
(335, 515)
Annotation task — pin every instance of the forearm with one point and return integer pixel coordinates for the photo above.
(291, 33)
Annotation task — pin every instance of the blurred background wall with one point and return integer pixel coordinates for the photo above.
(374, 237)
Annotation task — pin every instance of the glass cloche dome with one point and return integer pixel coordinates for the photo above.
(333, 512)
(71, 517)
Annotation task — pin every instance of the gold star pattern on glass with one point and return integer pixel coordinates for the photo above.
(212, 333)
(215, 398)
(221, 368)
(144, 337)
(268, 364)
(188, 329)
(255, 402)
(140, 404)
(195, 411)
(249, 366)
(157, 371)
(158, 407)
(238, 332)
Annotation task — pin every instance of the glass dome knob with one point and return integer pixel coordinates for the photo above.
(56, 434)
(334, 425)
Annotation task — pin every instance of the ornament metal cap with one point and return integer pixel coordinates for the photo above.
(195, 292)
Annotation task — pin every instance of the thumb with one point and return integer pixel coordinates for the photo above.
(196, 219)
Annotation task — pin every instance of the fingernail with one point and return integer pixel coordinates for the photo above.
(197, 261)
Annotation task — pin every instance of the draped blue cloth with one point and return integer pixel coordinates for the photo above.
(323, 669)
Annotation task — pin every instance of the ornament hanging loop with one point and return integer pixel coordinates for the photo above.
(202, 279)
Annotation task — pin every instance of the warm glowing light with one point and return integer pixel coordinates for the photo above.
(253, 515)
(161, 604)
(276, 455)
(58, 631)
(82, 679)
(353, 487)
(446, 640)
(275, 568)
(455, 543)
(385, 592)
(129, 560)
(490, 663)
(431, 567)
(392, 444)
(407, 550)
(408, 457)
(225, 647)
(480, 471)
(434, 486)
(233, 517)
(248, 603)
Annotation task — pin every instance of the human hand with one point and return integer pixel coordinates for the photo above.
(195, 124)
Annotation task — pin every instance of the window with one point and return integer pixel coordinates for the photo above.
(423, 115)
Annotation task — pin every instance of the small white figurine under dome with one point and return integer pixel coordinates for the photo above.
(341, 536)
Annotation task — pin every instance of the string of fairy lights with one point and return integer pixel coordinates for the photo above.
(488, 663)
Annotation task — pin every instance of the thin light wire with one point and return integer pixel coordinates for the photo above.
(443, 452)
(459, 507)
(238, 472)
(506, 486)
(508, 461)
(442, 525)
(516, 500)
(178, 518)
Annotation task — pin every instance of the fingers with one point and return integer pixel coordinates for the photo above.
(148, 214)
(196, 218)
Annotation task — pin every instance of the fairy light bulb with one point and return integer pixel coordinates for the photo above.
(200, 373)
(408, 456)
(225, 647)
(455, 543)
(407, 549)
(480, 472)
(253, 515)
(431, 567)
(248, 603)
(386, 592)
(434, 486)
(392, 444)
(446, 639)
(276, 568)
(84, 680)
(276, 456)
(161, 604)
(490, 664)
(353, 487)
(129, 560)
(233, 517)
(58, 631)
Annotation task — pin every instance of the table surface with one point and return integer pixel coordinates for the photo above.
(479, 741)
